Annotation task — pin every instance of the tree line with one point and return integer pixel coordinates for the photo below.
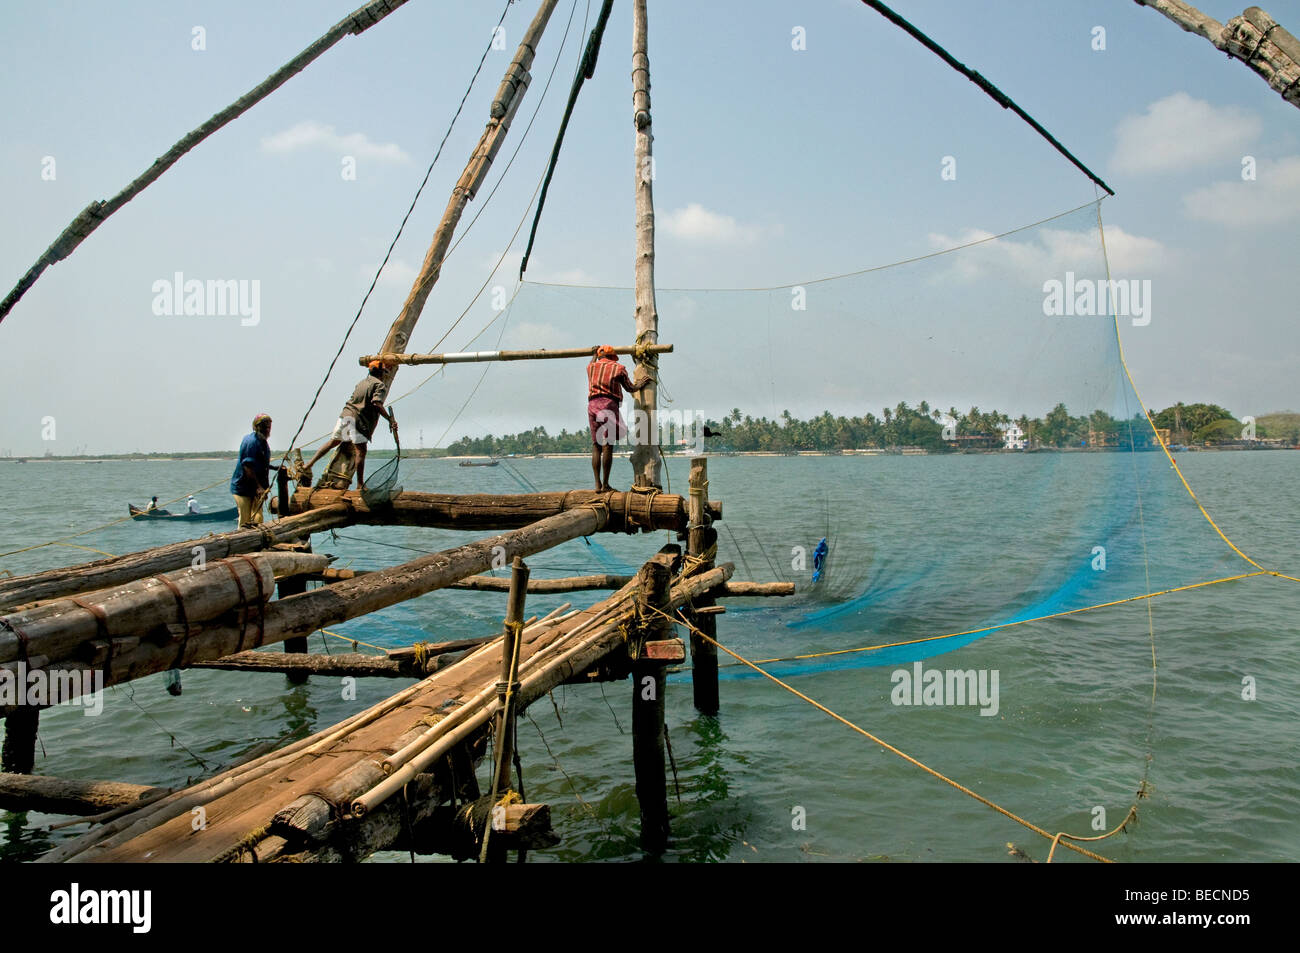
(922, 426)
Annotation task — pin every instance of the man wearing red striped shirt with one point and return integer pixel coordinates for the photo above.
(606, 381)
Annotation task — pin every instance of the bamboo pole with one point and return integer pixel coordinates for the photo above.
(645, 449)
(508, 97)
(507, 695)
(473, 357)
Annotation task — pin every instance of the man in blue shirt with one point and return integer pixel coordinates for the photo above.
(252, 479)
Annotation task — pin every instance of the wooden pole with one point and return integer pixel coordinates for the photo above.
(645, 449)
(293, 586)
(648, 749)
(508, 686)
(18, 755)
(473, 357)
(304, 614)
(63, 796)
(509, 95)
(116, 570)
(627, 512)
(701, 545)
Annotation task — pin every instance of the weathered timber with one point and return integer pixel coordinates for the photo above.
(456, 831)
(504, 105)
(648, 751)
(34, 792)
(18, 753)
(344, 664)
(59, 628)
(328, 605)
(627, 511)
(508, 686)
(1253, 37)
(476, 357)
(293, 586)
(645, 453)
(730, 590)
(116, 570)
(701, 546)
(244, 802)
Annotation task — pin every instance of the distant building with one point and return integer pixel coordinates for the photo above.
(1013, 438)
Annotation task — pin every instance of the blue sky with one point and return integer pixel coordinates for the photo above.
(773, 166)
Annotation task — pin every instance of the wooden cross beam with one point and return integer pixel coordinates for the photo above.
(540, 354)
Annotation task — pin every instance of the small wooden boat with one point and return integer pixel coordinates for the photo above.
(214, 516)
(472, 463)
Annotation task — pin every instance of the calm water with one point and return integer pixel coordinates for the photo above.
(921, 547)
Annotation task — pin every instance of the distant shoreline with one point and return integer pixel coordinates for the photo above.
(583, 455)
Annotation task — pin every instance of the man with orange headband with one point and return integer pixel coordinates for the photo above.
(357, 419)
(252, 479)
(606, 380)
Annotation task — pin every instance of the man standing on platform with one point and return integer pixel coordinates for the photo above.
(357, 419)
(252, 479)
(606, 381)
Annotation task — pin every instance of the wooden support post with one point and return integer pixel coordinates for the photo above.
(645, 448)
(508, 686)
(292, 586)
(648, 749)
(701, 544)
(282, 492)
(19, 753)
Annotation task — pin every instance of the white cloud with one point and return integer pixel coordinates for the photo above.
(1272, 197)
(1179, 132)
(310, 134)
(1051, 251)
(695, 223)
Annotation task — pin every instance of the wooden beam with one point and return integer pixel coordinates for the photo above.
(34, 792)
(627, 512)
(304, 614)
(18, 752)
(116, 570)
(509, 95)
(352, 664)
(702, 542)
(474, 357)
(1253, 37)
(648, 683)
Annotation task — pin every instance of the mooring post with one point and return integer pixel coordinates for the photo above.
(648, 750)
(292, 586)
(701, 546)
(19, 753)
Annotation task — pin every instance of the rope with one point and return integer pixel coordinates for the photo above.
(884, 744)
(587, 69)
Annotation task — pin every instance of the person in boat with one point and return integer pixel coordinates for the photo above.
(606, 381)
(153, 505)
(191, 504)
(251, 480)
(357, 419)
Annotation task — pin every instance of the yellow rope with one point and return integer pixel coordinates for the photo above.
(886, 745)
(368, 645)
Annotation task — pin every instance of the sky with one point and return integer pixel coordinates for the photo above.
(793, 141)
